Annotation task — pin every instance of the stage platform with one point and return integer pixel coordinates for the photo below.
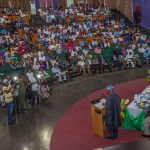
(143, 144)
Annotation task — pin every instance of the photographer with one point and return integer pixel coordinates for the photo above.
(16, 94)
(2, 103)
(8, 96)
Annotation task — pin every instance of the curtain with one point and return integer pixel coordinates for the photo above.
(23, 4)
(145, 7)
(124, 6)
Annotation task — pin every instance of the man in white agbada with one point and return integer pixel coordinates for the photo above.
(81, 64)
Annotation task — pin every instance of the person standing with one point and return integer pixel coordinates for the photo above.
(22, 93)
(8, 97)
(34, 91)
(16, 97)
(113, 110)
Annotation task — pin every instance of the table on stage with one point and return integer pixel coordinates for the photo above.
(137, 110)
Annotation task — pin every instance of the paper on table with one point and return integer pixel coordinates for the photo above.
(100, 104)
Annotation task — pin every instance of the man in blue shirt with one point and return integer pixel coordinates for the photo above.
(45, 43)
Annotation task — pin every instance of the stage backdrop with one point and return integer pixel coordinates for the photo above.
(145, 11)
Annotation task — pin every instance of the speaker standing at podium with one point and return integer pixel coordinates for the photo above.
(113, 109)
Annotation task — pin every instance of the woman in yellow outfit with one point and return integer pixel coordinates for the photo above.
(8, 97)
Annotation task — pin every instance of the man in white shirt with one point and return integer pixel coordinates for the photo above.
(129, 59)
(34, 90)
(81, 65)
(30, 75)
(130, 50)
(141, 49)
(2, 20)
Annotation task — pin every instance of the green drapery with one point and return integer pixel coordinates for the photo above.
(134, 123)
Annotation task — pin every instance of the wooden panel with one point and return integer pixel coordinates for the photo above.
(23, 4)
(97, 115)
(125, 6)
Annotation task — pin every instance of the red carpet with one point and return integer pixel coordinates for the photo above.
(74, 130)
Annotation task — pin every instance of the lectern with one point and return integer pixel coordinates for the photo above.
(98, 112)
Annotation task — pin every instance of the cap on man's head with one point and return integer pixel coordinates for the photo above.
(110, 87)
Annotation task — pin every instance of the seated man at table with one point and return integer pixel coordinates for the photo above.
(113, 109)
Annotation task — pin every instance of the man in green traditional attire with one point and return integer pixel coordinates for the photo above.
(22, 92)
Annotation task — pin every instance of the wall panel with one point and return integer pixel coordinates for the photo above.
(23, 4)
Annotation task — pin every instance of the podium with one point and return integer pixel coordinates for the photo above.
(98, 112)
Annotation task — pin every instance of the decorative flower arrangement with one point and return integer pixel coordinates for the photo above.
(148, 77)
(124, 104)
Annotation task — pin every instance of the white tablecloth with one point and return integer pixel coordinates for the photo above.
(133, 108)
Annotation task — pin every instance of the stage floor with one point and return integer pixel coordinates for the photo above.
(143, 144)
